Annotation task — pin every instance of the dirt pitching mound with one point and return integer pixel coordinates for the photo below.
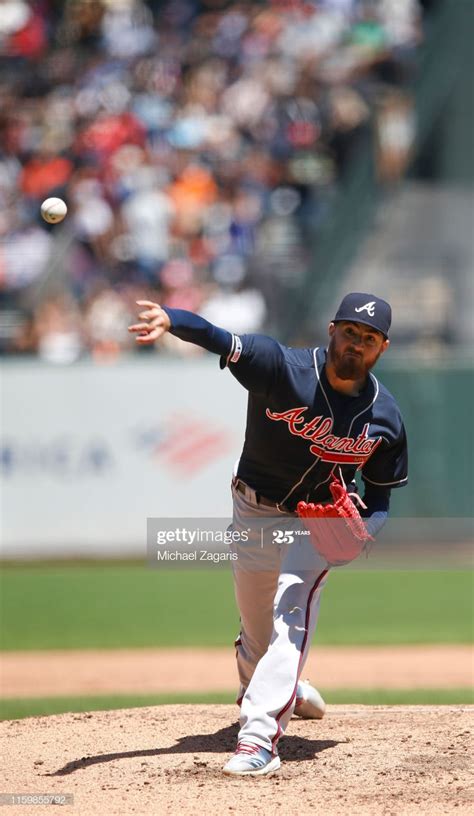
(360, 760)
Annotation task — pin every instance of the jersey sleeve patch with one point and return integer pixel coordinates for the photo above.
(236, 349)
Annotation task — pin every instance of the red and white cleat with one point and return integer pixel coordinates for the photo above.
(251, 760)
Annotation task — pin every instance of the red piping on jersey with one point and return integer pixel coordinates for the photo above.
(303, 646)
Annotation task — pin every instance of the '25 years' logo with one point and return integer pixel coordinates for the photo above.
(282, 537)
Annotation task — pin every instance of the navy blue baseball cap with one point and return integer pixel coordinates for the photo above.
(361, 307)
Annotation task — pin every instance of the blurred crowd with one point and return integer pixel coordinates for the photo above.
(198, 145)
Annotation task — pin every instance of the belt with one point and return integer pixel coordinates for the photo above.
(259, 499)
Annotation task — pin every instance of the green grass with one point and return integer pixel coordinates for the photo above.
(69, 606)
(15, 709)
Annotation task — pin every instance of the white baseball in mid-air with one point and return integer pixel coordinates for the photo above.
(53, 210)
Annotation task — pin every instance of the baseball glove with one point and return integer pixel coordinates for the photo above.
(337, 530)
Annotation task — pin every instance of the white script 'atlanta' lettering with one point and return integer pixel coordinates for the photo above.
(368, 307)
(330, 448)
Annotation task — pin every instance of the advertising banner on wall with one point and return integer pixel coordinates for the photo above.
(89, 452)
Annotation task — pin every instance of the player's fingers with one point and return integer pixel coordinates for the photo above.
(145, 339)
(138, 327)
(147, 303)
(148, 315)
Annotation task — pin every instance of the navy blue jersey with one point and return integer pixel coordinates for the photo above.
(299, 429)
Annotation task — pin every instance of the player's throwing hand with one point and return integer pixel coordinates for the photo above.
(157, 323)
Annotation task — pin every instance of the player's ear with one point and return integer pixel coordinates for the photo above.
(331, 329)
(385, 345)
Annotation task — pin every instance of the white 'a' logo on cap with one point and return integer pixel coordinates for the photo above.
(368, 307)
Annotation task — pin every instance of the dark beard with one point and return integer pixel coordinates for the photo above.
(347, 367)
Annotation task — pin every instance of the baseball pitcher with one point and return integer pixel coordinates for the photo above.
(315, 416)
